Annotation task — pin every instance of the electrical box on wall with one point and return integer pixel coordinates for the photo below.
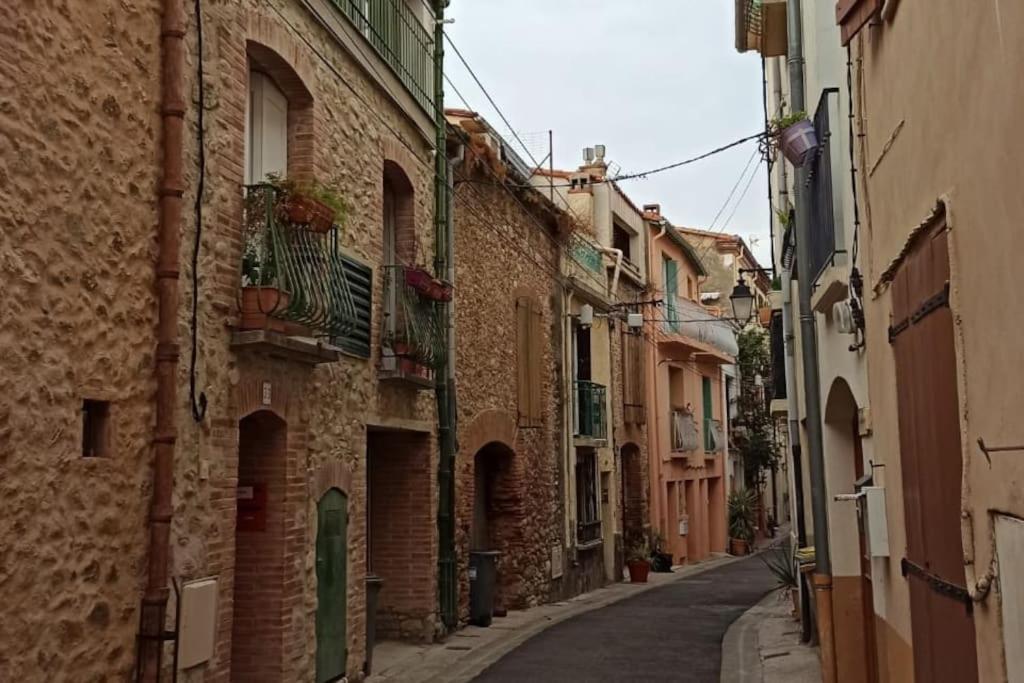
(252, 507)
(876, 523)
(197, 627)
(684, 526)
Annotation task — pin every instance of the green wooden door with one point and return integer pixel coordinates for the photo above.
(331, 576)
(708, 445)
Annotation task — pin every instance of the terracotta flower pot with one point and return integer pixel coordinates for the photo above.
(258, 305)
(310, 213)
(638, 570)
(799, 142)
(738, 546)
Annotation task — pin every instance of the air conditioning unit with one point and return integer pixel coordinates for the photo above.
(842, 315)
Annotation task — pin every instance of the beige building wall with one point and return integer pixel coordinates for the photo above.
(921, 146)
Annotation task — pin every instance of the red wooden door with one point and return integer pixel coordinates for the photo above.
(923, 343)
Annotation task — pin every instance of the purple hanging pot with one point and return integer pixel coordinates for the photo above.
(798, 142)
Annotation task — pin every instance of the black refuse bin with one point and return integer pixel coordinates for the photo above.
(482, 579)
(373, 584)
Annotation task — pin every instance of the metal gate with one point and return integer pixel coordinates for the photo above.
(922, 338)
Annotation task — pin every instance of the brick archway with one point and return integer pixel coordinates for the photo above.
(331, 475)
(489, 426)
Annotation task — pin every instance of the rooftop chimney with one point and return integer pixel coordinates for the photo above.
(653, 209)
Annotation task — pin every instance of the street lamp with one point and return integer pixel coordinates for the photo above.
(742, 301)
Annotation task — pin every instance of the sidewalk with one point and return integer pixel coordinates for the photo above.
(764, 646)
(467, 652)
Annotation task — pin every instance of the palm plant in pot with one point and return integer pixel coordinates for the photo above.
(796, 137)
(638, 561)
(741, 521)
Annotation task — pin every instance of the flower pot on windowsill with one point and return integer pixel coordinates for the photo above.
(638, 570)
(738, 547)
(258, 305)
(798, 142)
(427, 286)
(304, 211)
(764, 316)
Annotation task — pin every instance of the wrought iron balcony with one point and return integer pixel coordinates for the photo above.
(412, 341)
(293, 277)
(824, 241)
(684, 432)
(590, 414)
(714, 436)
(401, 40)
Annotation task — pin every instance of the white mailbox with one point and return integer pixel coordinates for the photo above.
(876, 523)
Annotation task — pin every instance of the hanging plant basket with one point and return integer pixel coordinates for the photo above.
(312, 214)
(428, 286)
(798, 142)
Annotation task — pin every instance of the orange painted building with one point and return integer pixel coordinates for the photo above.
(686, 415)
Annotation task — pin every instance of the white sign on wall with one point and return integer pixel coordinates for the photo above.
(266, 393)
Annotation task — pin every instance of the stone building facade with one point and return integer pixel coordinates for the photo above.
(288, 419)
(509, 474)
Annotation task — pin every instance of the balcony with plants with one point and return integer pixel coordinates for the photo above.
(590, 416)
(412, 341)
(293, 279)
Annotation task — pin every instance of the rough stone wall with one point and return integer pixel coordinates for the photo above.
(79, 120)
(77, 243)
(501, 249)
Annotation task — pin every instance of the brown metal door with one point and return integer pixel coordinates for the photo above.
(923, 343)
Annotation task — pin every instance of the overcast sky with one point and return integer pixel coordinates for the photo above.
(656, 81)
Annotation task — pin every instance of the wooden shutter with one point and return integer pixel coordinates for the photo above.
(633, 378)
(523, 359)
(267, 137)
(534, 358)
(852, 15)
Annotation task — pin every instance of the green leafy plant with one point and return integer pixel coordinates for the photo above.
(312, 189)
(259, 268)
(741, 514)
(783, 122)
(780, 563)
(639, 551)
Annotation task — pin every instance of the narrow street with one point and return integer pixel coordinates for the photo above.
(670, 633)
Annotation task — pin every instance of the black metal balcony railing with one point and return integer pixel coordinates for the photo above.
(412, 327)
(823, 247)
(591, 419)
(305, 267)
(401, 40)
(684, 432)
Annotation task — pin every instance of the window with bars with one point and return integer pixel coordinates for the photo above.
(588, 520)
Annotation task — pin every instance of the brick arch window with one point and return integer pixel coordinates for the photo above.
(399, 220)
(279, 118)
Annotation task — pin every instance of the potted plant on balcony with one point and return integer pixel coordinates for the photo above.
(308, 204)
(260, 295)
(741, 521)
(796, 137)
(638, 561)
(426, 285)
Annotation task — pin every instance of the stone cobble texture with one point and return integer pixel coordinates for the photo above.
(79, 120)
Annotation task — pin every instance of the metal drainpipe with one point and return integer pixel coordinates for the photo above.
(809, 348)
(445, 397)
(170, 192)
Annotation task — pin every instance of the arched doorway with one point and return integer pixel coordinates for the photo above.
(331, 585)
(632, 495)
(497, 501)
(852, 593)
(256, 644)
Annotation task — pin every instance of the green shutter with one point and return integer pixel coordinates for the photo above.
(708, 445)
(360, 282)
(671, 274)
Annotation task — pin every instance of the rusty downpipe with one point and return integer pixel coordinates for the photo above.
(169, 194)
